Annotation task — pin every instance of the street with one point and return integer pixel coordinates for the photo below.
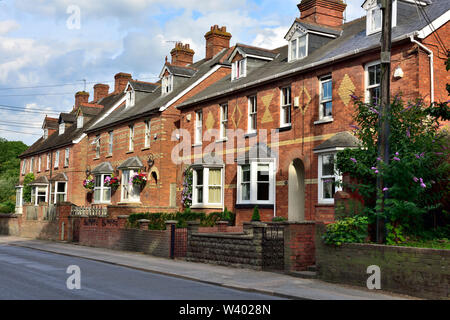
(32, 274)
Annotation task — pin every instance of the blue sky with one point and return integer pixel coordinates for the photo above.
(38, 49)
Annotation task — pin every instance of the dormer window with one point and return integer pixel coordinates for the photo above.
(374, 17)
(167, 84)
(80, 121)
(130, 98)
(45, 133)
(62, 127)
(239, 69)
(298, 48)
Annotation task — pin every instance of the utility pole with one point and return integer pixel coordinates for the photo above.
(384, 125)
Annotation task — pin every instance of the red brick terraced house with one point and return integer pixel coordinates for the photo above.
(139, 135)
(291, 107)
(58, 158)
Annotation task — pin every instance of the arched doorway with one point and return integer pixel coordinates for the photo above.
(296, 200)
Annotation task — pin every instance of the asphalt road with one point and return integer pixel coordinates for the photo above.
(33, 274)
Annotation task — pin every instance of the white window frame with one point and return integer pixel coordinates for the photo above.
(223, 121)
(39, 163)
(35, 195)
(24, 166)
(366, 76)
(131, 137)
(57, 193)
(254, 183)
(101, 188)
(205, 187)
(320, 178)
(297, 47)
(110, 142)
(126, 185)
(370, 28)
(239, 69)
(57, 159)
(80, 122)
(66, 157)
(198, 127)
(252, 123)
(32, 164)
(62, 128)
(130, 98)
(48, 162)
(97, 146)
(285, 106)
(147, 133)
(322, 100)
(45, 133)
(167, 84)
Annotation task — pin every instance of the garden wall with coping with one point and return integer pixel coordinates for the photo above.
(418, 272)
(9, 225)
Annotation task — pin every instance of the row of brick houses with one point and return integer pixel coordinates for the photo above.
(259, 127)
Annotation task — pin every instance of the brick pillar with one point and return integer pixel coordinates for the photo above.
(222, 226)
(143, 224)
(299, 245)
(122, 221)
(169, 224)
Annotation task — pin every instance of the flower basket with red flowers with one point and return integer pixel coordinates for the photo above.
(89, 183)
(112, 182)
(139, 179)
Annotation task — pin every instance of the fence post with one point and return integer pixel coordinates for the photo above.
(171, 226)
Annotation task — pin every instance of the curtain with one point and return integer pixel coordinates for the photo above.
(215, 186)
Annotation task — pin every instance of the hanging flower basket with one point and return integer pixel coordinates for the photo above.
(139, 180)
(112, 182)
(89, 184)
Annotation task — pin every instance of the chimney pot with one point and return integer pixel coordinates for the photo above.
(216, 40)
(81, 97)
(100, 91)
(182, 55)
(328, 13)
(121, 80)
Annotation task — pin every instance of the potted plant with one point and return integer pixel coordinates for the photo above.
(89, 183)
(112, 182)
(139, 179)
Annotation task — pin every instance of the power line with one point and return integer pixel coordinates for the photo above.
(430, 23)
(36, 94)
(23, 110)
(21, 132)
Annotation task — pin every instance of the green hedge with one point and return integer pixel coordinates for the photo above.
(158, 220)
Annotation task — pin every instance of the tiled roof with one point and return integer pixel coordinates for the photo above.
(104, 167)
(133, 162)
(144, 86)
(340, 140)
(353, 40)
(255, 51)
(181, 71)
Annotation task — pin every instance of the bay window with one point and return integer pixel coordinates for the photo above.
(256, 183)
(102, 193)
(60, 191)
(130, 192)
(328, 177)
(39, 194)
(207, 186)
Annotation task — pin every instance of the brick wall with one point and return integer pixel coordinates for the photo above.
(9, 225)
(299, 245)
(414, 271)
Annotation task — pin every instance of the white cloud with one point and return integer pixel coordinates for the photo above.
(7, 26)
(271, 38)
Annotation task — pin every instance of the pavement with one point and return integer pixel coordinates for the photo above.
(261, 282)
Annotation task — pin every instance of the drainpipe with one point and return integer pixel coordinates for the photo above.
(430, 55)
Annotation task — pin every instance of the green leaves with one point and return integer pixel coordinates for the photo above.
(346, 230)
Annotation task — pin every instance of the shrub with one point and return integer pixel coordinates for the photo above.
(26, 187)
(346, 230)
(278, 219)
(256, 216)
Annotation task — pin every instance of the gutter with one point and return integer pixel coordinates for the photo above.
(292, 71)
(430, 56)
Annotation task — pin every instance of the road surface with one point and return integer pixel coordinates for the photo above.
(32, 274)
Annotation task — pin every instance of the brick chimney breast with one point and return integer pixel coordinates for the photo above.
(81, 97)
(121, 80)
(328, 13)
(100, 91)
(216, 40)
(182, 55)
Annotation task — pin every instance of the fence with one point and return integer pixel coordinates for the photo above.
(94, 211)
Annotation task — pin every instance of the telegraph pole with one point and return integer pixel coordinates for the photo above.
(384, 126)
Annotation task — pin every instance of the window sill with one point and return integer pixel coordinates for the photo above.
(325, 204)
(322, 121)
(128, 152)
(207, 206)
(284, 128)
(130, 202)
(102, 202)
(96, 158)
(146, 148)
(250, 135)
(252, 205)
(222, 140)
(197, 145)
(108, 156)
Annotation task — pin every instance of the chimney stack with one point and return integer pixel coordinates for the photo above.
(327, 13)
(100, 91)
(81, 97)
(216, 40)
(121, 80)
(182, 55)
